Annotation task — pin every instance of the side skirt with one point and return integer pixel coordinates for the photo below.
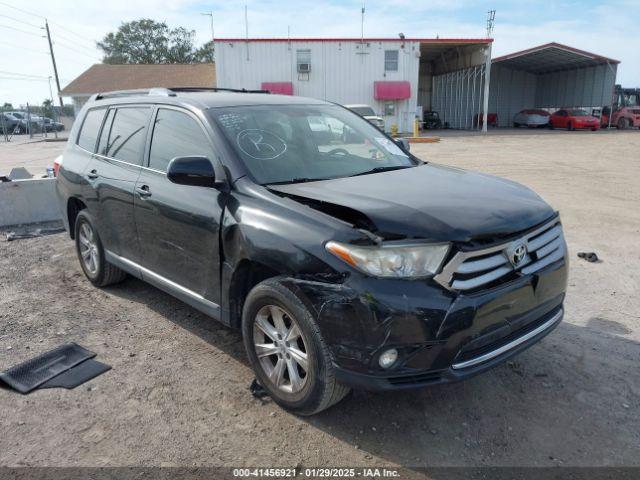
(190, 297)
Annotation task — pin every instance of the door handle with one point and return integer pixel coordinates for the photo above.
(143, 191)
(92, 175)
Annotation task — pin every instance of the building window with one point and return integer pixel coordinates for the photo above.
(391, 60)
(389, 109)
(303, 58)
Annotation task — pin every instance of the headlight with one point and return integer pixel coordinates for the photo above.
(392, 261)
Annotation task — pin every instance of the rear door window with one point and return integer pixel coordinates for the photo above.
(176, 134)
(90, 127)
(103, 144)
(127, 135)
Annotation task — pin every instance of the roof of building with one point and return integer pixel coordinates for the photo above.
(552, 57)
(103, 77)
(366, 40)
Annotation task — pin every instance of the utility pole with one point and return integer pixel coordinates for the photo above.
(210, 15)
(491, 16)
(53, 60)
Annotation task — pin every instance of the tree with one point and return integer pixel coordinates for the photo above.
(205, 53)
(7, 106)
(47, 108)
(147, 41)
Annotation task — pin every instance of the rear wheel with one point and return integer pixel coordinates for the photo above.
(91, 254)
(286, 350)
(622, 123)
(515, 125)
(570, 126)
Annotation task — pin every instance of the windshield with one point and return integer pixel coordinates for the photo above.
(578, 113)
(297, 143)
(363, 111)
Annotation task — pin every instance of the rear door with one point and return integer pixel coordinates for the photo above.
(178, 225)
(114, 172)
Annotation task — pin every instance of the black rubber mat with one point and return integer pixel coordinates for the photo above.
(31, 374)
(77, 375)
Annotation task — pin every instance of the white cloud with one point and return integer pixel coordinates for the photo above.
(603, 28)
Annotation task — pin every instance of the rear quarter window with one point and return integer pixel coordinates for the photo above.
(88, 135)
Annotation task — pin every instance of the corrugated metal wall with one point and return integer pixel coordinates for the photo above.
(510, 91)
(341, 72)
(585, 87)
(457, 96)
(513, 90)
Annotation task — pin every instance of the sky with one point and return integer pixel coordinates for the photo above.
(604, 27)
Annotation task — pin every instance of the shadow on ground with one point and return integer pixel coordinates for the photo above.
(567, 401)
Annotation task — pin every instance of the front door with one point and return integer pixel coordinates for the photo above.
(178, 225)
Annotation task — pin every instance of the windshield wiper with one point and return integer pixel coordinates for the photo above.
(382, 169)
(296, 180)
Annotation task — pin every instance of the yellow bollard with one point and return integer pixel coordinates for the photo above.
(394, 130)
(416, 128)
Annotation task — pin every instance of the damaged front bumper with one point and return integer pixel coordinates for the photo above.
(440, 336)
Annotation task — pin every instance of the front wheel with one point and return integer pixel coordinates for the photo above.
(91, 254)
(622, 124)
(287, 351)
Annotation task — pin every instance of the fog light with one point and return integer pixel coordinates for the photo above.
(388, 358)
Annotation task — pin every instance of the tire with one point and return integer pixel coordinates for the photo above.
(551, 127)
(99, 272)
(570, 126)
(516, 125)
(622, 123)
(266, 303)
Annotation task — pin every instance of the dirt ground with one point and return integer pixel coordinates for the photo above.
(178, 392)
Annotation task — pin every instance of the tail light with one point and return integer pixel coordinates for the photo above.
(56, 165)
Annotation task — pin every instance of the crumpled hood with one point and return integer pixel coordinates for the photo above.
(431, 202)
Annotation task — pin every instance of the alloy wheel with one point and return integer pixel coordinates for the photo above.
(88, 248)
(281, 348)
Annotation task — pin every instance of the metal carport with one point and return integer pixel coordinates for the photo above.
(550, 76)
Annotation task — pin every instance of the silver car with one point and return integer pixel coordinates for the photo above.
(366, 112)
(531, 117)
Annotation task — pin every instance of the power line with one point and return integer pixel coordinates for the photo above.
(20, 21)
(20, 30)
(21, 10)
(63, 45)
(26, 49)
(57, 35)
(4, 72)
(44, 18)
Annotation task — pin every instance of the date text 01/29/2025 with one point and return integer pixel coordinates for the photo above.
(316, 472)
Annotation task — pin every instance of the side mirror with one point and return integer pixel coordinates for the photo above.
(194, 171)
(402, 143)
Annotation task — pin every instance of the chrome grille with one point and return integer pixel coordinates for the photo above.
(472, 270)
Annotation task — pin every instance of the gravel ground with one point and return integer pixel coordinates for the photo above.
(178, 392)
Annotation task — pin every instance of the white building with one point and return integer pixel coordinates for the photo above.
(394, 76)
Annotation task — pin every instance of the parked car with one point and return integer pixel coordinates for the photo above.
(492, 119)
(366, 112)
(431, 120)
(8, 123)
(27, 122)
(573, 119)
(343, 264)
(52, 126)
(531, 117)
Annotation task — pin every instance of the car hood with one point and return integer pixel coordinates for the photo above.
(430, 201)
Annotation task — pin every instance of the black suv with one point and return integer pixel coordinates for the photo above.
(345, 261)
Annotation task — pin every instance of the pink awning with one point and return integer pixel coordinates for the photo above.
(391, 90)
(280, 88)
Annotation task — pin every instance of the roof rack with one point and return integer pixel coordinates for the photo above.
(169, 92)
(216, 89)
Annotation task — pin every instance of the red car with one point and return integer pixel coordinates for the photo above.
(572, 119)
